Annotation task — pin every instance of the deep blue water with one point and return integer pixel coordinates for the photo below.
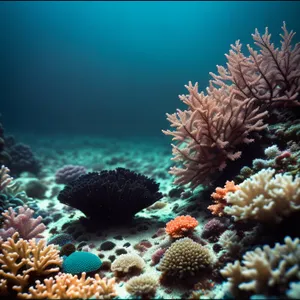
(116, 68)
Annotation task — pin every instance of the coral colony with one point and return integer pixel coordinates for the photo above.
(228, 227)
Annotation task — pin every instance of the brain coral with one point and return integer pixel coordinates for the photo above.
(185, 258)
(110, 196)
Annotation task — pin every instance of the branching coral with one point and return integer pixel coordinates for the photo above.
(219, 198)
(67, 286)
(265, 198)
(265, 270)
(21, 259)
(5, 178)
(210, 131)
(23, 223)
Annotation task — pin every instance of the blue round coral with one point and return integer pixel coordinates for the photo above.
(79, 262)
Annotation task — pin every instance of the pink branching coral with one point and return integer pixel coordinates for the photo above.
(5, 178)
(23, 223)
(215, 124)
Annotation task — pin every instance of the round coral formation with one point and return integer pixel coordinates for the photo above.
(185, 258)
(69, 173)
(143, 285)
(79, 262)
(181, 226)
(110, 196)
(127, 263)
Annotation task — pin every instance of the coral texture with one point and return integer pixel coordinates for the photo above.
(111, 196)
(67, 286)
(185, 258)
(265, 198)
(5, 178)
(80, 261)
(126, 263)
(21, 259)
(265, 270)
(143, 285)
(181, 226)
(68, 173)
(210, 131)
(219, 198)
(23, 223)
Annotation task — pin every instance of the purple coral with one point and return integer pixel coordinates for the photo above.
(69, 173)
(23, 223)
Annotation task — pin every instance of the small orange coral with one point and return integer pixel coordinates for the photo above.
(181, 226)
(219, 198)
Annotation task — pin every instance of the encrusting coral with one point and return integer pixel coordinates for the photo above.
(265, 198)
(21, 260)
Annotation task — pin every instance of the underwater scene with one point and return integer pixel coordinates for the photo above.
(150, 150)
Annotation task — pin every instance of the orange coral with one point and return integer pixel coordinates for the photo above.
(219, 198)
(181, 226)
(21, 260)
(67, 286)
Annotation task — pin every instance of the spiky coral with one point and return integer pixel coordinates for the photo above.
(21, 259)
(67, 286)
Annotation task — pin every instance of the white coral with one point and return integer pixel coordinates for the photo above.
(265, 198)
(265, 268)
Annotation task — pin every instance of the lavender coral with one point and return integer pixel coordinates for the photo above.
(23, 223)
(69, 173)
(216, 124)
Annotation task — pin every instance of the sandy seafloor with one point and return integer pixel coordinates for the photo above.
(148, 156)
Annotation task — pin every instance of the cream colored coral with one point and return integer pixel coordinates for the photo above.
(265, 198)
(265, 268)
(142, 285)
(127, 262)
(19, 258)
(67, 286)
